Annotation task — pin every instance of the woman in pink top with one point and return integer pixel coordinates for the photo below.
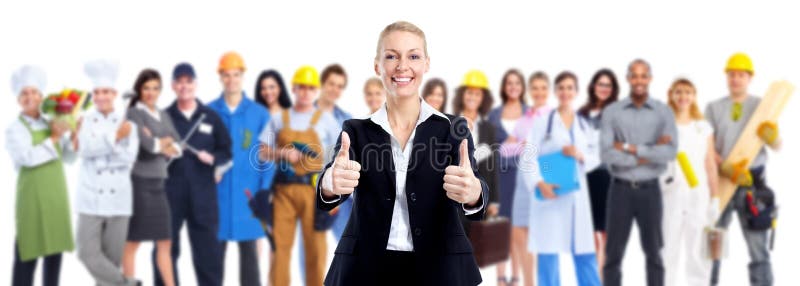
(539, 88)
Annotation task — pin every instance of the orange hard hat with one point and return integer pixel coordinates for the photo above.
(231, 60)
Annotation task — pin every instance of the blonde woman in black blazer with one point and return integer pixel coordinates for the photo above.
(414, 173)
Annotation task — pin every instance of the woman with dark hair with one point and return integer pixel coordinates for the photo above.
(435, 93)
(603, 90)
(271, 92)
(505, 118)
(158, 145)
(560, 219)
(473, 100)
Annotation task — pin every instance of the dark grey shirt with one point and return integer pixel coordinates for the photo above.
(640, 126)
(150, 163)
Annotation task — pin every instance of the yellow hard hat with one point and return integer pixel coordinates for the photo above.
(740, 62)
(306, 75)
(231, 60)
(475, 78)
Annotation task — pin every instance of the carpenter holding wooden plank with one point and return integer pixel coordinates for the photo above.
(742, 124)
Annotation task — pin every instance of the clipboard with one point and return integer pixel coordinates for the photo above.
(558, 169)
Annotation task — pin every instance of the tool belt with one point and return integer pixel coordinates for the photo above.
(285, 178)
(759, 201)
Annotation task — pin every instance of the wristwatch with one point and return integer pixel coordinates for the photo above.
(625, 146)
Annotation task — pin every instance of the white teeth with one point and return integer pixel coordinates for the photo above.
(402, 79)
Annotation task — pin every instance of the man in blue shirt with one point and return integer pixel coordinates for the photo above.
(245, 120)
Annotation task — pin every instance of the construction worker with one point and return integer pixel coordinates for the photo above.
(689, 205)
(298, 140)
(333, 80)
(244, 119)
(728, 117)
(191, 183)
(472, 101)
(37, 148)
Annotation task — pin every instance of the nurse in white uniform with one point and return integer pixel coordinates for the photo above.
(562, 223)
(687, 210)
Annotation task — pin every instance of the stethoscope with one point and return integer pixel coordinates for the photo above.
(550, 117)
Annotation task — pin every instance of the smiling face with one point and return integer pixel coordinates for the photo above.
(231, 80)
(639, 78)
(30, 99)
(103, 99)
(401, 63)
(603, 88)
(513, 87)
(473, 98)
(539, 89)
(333, 86)
(150, 92)
(184, 88)
(374, 96)
(270, 90)
(566, 90)
(436, 98)
(682, 97)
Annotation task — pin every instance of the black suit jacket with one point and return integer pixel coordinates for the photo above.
(440, 244)
(488, 167)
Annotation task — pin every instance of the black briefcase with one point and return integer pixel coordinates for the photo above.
(490, 240)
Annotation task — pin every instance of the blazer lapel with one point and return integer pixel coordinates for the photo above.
(384, 147)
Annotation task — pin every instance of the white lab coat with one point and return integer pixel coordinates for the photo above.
(686, 209)
(19, 144)
(555, 224)
(104, 185)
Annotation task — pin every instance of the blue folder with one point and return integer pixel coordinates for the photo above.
(558, 169)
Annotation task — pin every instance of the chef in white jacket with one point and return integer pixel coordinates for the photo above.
(560, 223)
(107, 145)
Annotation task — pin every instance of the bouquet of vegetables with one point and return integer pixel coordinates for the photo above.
(66, 105)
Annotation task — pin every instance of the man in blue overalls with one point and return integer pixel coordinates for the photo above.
(245, 119)
(191, 185)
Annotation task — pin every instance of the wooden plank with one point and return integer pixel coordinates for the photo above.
(749, 144)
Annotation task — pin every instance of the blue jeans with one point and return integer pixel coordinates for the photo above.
(338, 228)
(760, 268)
(585, 270)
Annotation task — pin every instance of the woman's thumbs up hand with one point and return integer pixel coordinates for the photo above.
(460, 182)
(344, 173)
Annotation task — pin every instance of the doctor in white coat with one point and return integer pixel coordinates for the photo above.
(560, 223)
(107, 145)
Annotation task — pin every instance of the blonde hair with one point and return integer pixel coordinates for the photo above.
(694, 111)
(373, 81)
(401, 26)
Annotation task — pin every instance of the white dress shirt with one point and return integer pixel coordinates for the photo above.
(400, 230)
(19, 144)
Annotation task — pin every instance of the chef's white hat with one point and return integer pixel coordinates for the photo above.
(102, 73)
(28, 76)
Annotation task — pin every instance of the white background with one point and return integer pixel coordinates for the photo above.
(679, 38)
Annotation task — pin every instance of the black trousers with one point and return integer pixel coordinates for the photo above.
(629, 202)
(249, 274)
(23, 271)
(396, 262)
(197, 208)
